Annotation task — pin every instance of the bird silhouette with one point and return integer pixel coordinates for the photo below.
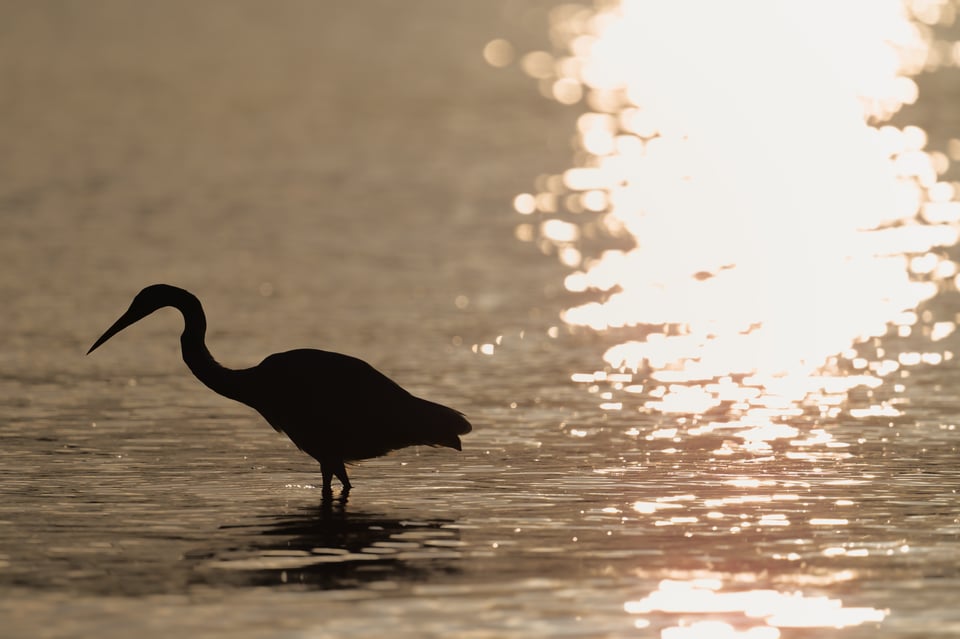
(334, 407)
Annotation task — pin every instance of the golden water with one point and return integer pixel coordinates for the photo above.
(728, 409)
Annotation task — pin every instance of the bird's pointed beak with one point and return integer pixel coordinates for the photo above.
(125, 320)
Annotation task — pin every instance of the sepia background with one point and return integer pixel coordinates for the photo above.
(690, 270)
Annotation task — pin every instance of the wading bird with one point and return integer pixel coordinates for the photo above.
(334, 407)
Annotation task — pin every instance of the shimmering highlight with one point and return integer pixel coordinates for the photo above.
(754, 207)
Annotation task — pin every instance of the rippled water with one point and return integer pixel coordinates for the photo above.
(341, 177)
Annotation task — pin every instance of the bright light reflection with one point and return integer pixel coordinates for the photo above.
(772, 608)
(776, 220)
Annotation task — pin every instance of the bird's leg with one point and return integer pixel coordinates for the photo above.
(328, 469)
(341, 472)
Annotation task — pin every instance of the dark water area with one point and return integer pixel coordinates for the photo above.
(340, 176)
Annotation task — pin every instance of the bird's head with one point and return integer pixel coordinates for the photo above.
(147, 301)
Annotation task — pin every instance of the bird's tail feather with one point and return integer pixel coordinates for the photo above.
(441, 425)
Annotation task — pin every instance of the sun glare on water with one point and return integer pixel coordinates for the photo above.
(752, 239)
(776, 609)
(775, 223)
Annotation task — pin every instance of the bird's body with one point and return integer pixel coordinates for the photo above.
(334, 407)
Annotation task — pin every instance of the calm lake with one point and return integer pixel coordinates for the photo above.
(694, 282)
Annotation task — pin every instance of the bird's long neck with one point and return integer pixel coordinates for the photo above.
(218, 378)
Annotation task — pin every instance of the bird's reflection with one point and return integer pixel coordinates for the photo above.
(329, 547)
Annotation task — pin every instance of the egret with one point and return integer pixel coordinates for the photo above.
(334, 407)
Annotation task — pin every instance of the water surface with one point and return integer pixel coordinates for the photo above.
(342, 177)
